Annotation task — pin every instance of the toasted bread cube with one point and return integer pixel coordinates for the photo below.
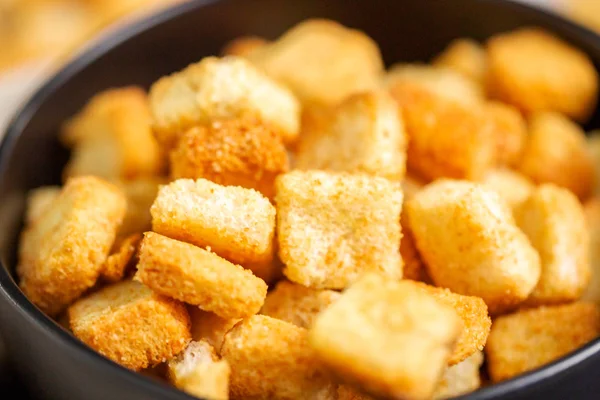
(244, 46)
(242, 152)
(554, 221)
(198, 371)
(116, 263)
(131, 325)
(471, 244)
(591, 210)
(346, 392)
(510, 132)
(220, 88)
(210, 327)
(198, 277)
(140, 194)
(322, 61)
(236, 223)
(531, 338)
(365, 134)
(297, 304)
(466, 57)
(461, 378)
(38, 201)
(333, 227)
(536, 71)
(62, 253)
(414, 269)
(556, 153)
(388, 337)
(270, 358)
(510, 185)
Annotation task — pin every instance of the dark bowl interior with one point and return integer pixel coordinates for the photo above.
(30, 156)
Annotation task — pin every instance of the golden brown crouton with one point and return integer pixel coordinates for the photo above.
(461, 378)
(116, 263)
(388, 337)
(556, 152)
(333, 227)
(591, 210)
(131, 325)
(297, 304)
(364, 134)
(38, 201)
(198, 277)
(220, 88)
(62, 253)
(531, 338)
(140, 195)
(466, 57)
(270, 358)
(537, 71)
(244, 46)
(240, 152)
(553, 220)
(510, 185)
(210, 327)
(470, 243)
(414, 269)
(198, 371)
(510, 132)
(346, 392)
(322, 61)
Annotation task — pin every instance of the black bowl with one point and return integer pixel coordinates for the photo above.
(59, 367)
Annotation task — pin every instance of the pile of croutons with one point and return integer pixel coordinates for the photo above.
(291, 221)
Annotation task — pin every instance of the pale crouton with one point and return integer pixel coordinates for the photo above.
(297, 304)
(131, 325)
(510, 132)
(365, 134)
(531, 338)
(210, 327)
(470, 243)
(116, 263)
(240, 152)
(537, 71)
(556, 152)
(198, 371)
(388, 337)
(461, 378)
(414, 269)
(322, 61)
(38, 201)
(244, 46)
(62, 253)
(198, 277)
(270, 358)
(333, 227)
(220, 88)
(140, 195)
(553, 220)
(510, 185)
(591, 211)
(466, 57)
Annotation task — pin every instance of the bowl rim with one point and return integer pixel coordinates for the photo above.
(11, 293)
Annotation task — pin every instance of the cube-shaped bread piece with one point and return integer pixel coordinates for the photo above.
(198, 277)
(115, 266)
(140, 194)
(464, 56)
(388, 337)
(333, 227)
(236, 223)
(471, 244)
(322, 61)
(537, 71)
(556, 152)
(554, 221)
(365, 134)
(198, 371)
(240, 152)
(510, 185)
(270, 358)
(39, 200)
(210, 327)
(220, 88)
(531, 338)
(62, 253)
(244, 46)
(510, 132)
(131, 325)
(461, 378)
(297, 304)
(591, 210)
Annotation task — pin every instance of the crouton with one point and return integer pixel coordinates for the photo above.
(553, 220)
(243, 46)
(510, 185)
(198, 277)
(510, 132)
(556, 152)
(346, 392)
(236, 223)
(38, 201)
(62, 253)
(466, 57)
(591, 210)
(414, 269)
(531, 338)
(536, 71)
(270, 358)
(131, 325)
(297, 304)
(461, 378)
(388, 337)
(365, 134)
(210, 327)
(242, 152)
(116, 263)
(140, 195)
(322, 61)
(333, 227)
(198, 371)
(220, 88)
(471, 245)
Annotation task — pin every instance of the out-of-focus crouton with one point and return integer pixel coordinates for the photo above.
(510, 185)
(62, 253)
(333, 227)
(466, 57)
(591, 210)
(271, 358)
(140, 195)
(531, 338)
(198, 277)
(244, 46)
(510, 131)
(210, 327)
(116, 263)
(131, 325)
(38, 201)
(414, 269)
(470, 243)
(388, 337)
(461, 378)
